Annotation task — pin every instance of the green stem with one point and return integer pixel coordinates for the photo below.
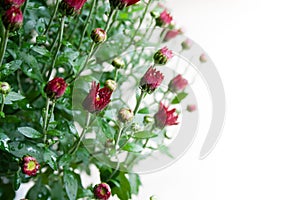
(25, 7)
(3, 46)
(86, 126)
(88, 20)
(52, 17)
(85, 63)
(119, 136)
(138, 103)
(46, 120)
(61, 32)
(116, 75)
(51, 113)
(147, 140)
(2, 104)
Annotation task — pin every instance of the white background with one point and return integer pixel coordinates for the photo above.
(255, 46)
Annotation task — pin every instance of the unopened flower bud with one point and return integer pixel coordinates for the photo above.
(98, 35)
(30, 166)
(186, 44)
(162, 56)
(102, 191)
(203, 58)
(151, 80)
(164, 19)
(111, 84)
(12, 18)
(191, 107)
(125, 115)
(118, 63)
(55, 88)
(4, 88)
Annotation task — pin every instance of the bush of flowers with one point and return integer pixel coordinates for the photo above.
(64, 68)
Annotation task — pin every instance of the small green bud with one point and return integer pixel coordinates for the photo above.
(5, 88)
(118, 63)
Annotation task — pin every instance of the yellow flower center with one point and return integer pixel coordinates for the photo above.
(31, 165)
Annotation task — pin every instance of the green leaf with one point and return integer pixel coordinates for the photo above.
(17, 181)
(144, 111)
(50, 158)
(41, 50)
(132, 147)
(30, 132)
(13, 96)
(70, 184)
(144, 135)
(38, 192)
(3, 142)
(65, 160)
(135, 183)
(10, 67)
(179, 98)
(123, 192)
(19, 149)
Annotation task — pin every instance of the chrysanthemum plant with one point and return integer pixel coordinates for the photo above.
(66, 71)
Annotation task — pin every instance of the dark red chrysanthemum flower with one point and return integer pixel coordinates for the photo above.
(30, 166)
(151, 80)
(162, 56)
(178, 83)
(164, 19)
(97, 99)
(71, 7)
(165, 117)
(55, 88)
(102, 191)
(12, 18)
(16, 3)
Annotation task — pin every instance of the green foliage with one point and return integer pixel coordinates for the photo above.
(29, 127)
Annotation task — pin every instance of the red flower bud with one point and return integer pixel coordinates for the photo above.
(178, 83)
(102, 191)
(164, 19)
(165, 117)
(186, 44)
(172, 34)
(98, 35)
(97, 99)
(30, 166)
(162, 56)
(12, 18)
(55, 88)
(151, 80)
(71, 7)
(191, 107)
(203, 58)
(125, 115)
